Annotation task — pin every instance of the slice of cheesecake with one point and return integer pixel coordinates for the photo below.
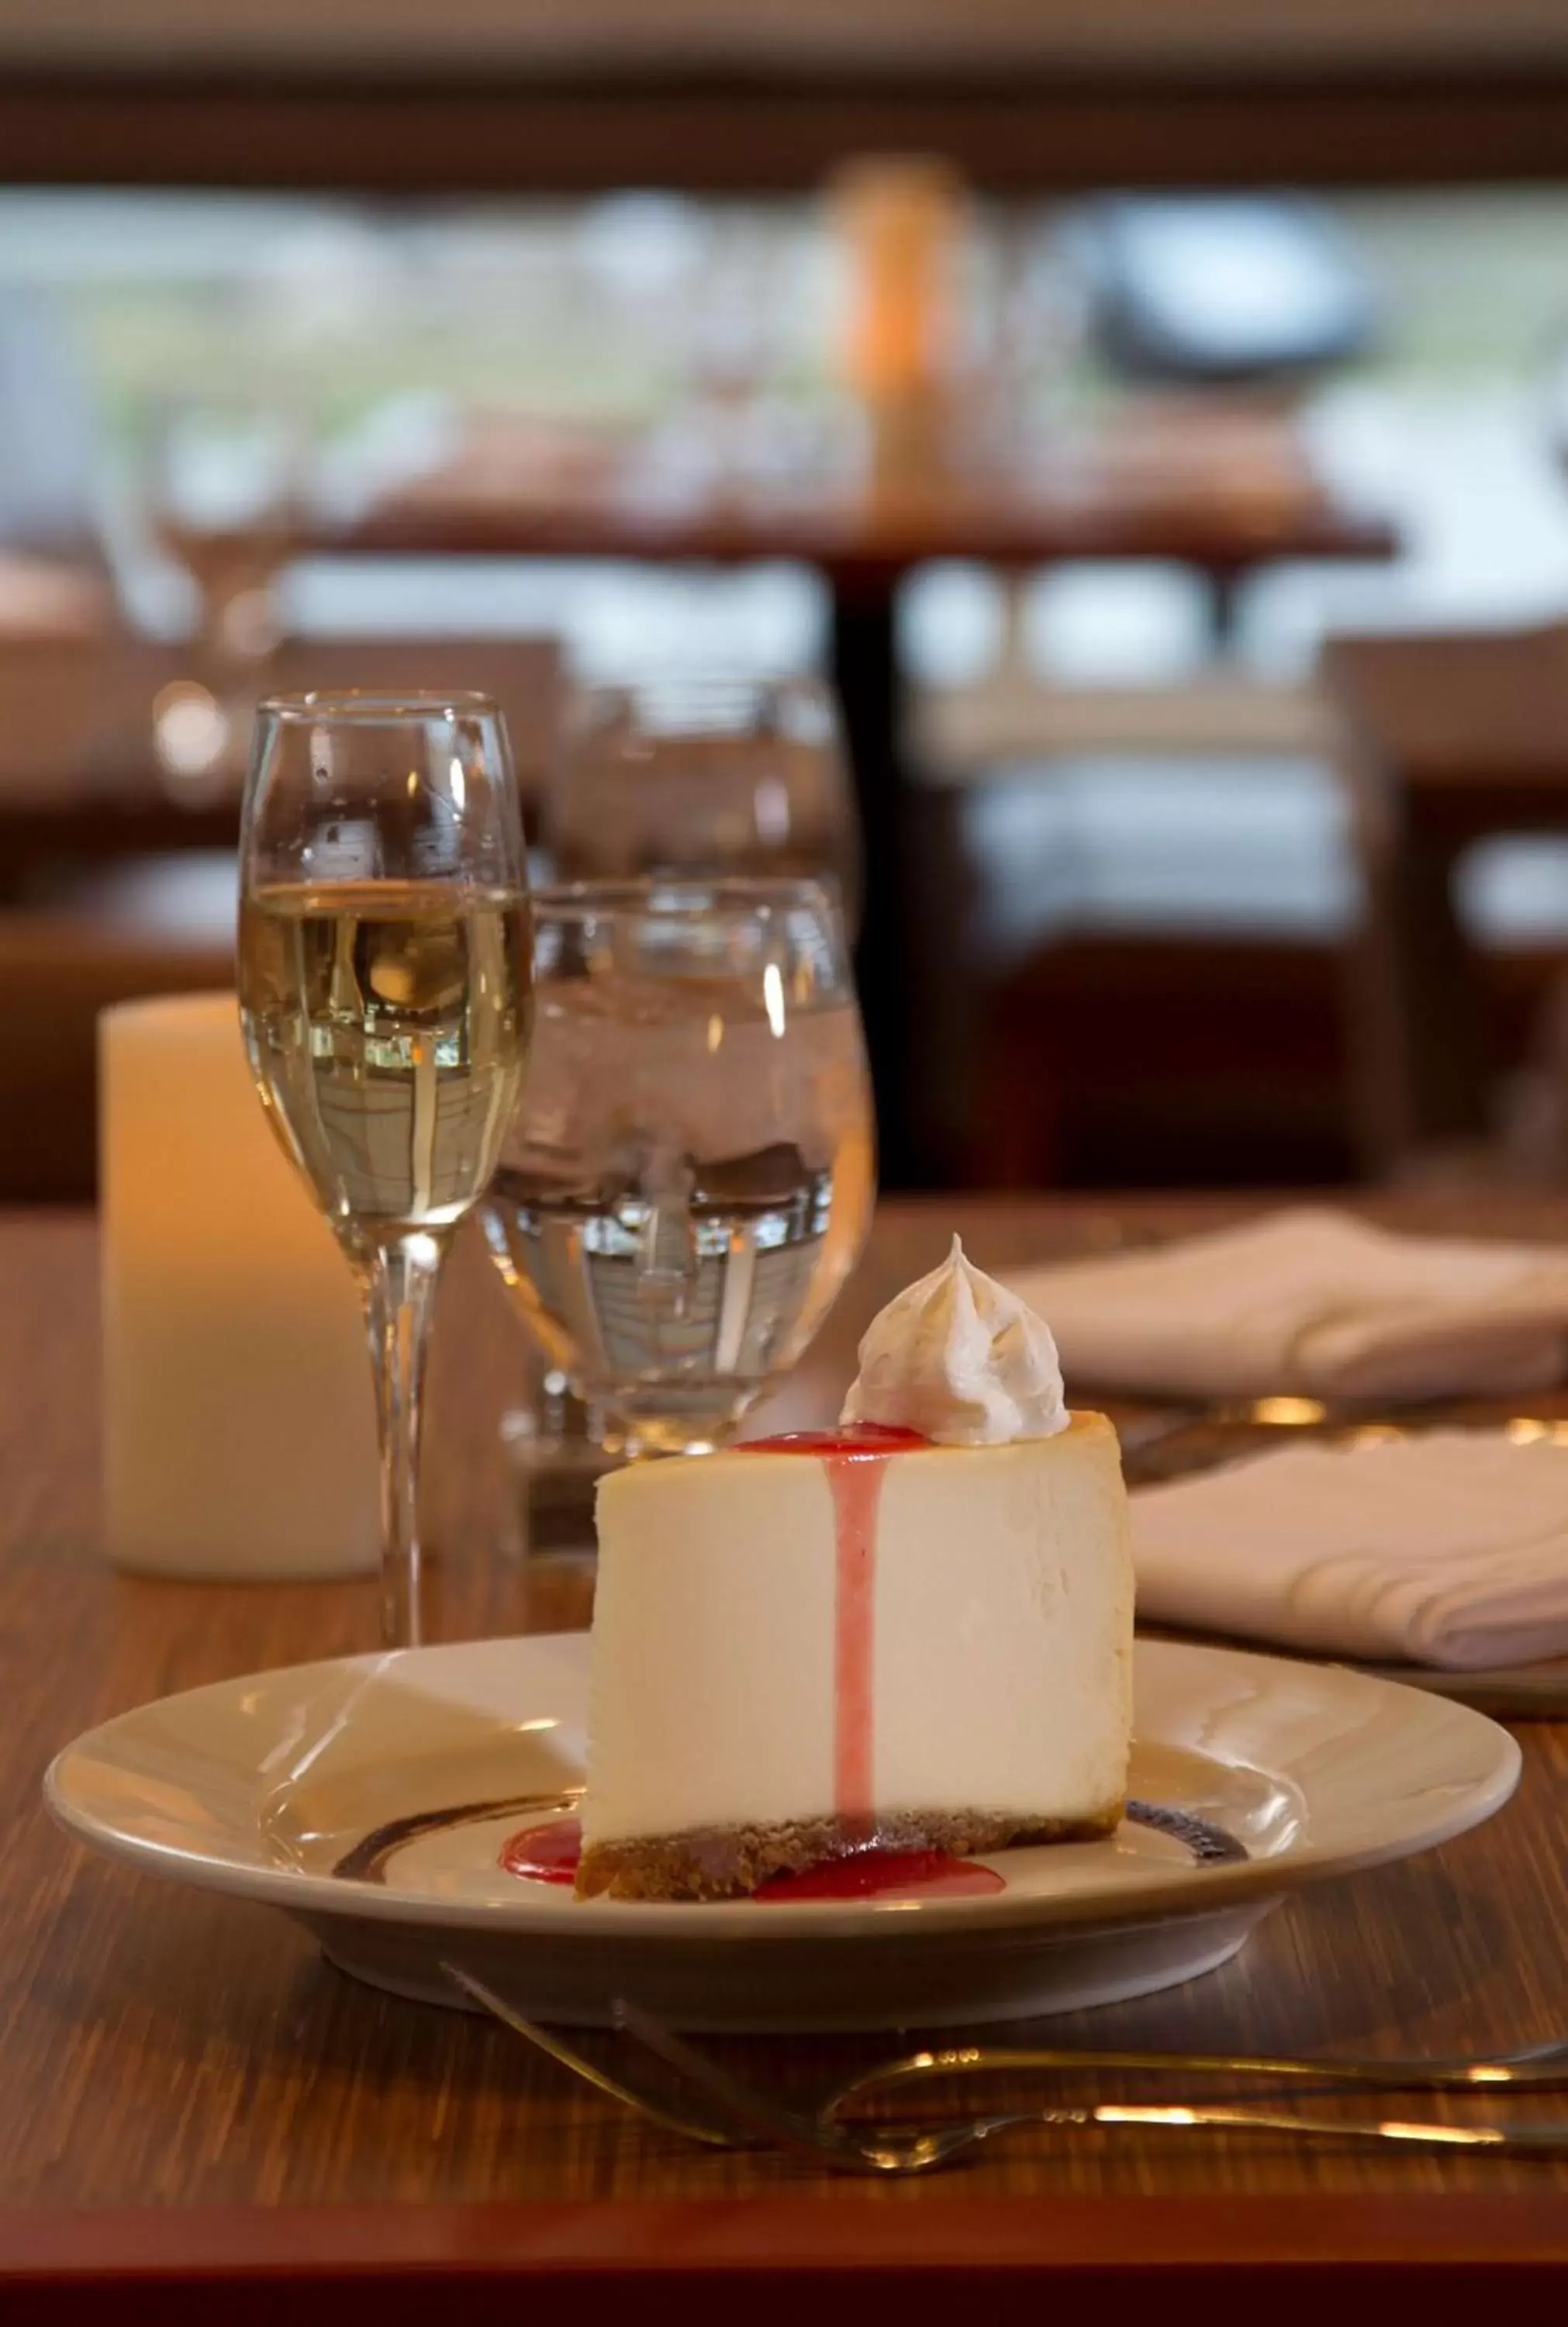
(812, 1646)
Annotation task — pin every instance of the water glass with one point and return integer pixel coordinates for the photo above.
(706, 775)
(691, 1179)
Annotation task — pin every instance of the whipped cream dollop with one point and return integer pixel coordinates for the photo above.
(961, 1360)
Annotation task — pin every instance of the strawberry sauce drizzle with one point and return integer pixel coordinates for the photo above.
(854, 1459)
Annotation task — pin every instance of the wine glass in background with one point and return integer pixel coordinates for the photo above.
(384, 992)
(691, 1181)
(734, 319)
(706, 775)
(225, 484)
(1041, 320)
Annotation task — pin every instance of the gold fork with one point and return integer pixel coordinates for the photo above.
(896, 2151)
(747, 2116)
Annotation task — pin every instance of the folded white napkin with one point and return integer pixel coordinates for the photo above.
(1450, 1547)
(1313, 1302)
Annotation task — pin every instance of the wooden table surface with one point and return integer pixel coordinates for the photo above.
(187, 2088)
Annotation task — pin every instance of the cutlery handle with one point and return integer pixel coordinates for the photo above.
(1486, 2078)
(1545, 2139)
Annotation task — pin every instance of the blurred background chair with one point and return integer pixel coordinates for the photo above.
(1449, 743)
(59, 970)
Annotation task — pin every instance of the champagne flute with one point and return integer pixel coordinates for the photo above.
(706, 775)
(386, 997)
(692, 1180)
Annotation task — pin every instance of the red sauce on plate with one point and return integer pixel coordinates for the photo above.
(550, 1854)
(885, 1875)
(545, 1854)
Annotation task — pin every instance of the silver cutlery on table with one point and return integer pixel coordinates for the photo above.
(742, 2115)
(1149, 1440)
(896, 2151)
(555, 2048)
(1543, 2068)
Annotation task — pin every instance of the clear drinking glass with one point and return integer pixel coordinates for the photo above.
(225, 484)
(385, 994)
(706, 775)
(692, 1180)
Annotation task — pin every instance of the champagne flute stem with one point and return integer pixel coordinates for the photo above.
(397, 1285)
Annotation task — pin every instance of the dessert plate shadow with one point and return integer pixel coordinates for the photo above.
(371, 1797)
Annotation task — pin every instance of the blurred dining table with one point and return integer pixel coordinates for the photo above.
(1220, 485)
(201, 2113)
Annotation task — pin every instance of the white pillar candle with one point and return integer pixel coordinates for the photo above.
(238, 1419)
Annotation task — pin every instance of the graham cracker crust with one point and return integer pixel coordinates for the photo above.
(729, 1861)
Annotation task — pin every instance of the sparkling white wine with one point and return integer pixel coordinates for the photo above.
(386, 1023)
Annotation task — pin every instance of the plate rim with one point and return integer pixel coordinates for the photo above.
(300, 1892)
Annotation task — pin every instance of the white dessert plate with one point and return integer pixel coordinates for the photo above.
(370, 1799)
